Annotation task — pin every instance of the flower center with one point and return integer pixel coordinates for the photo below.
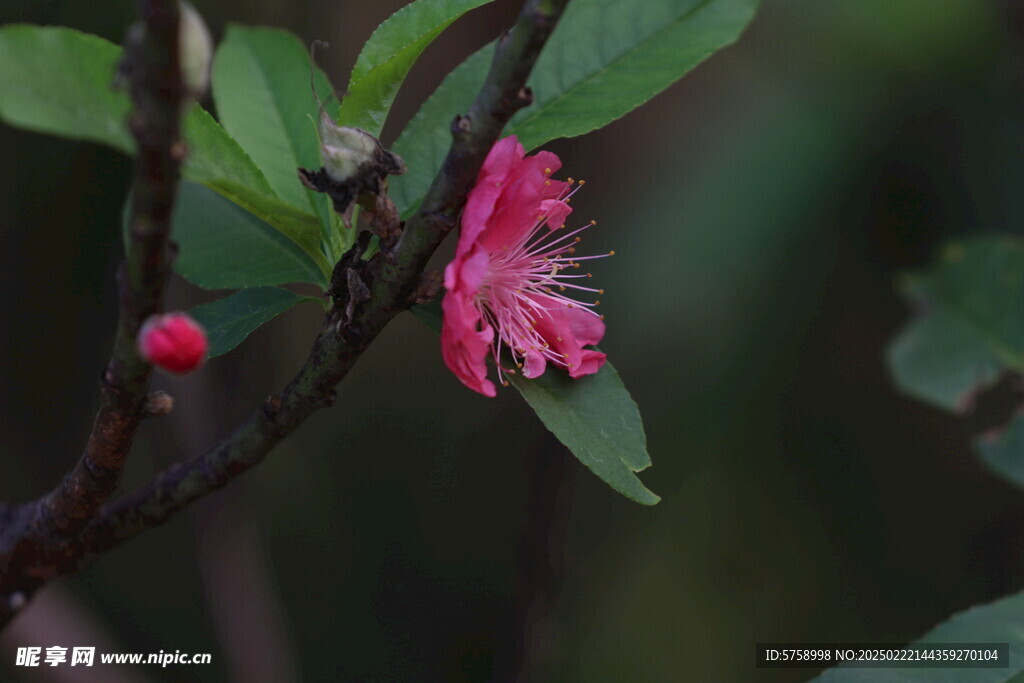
(526, 282)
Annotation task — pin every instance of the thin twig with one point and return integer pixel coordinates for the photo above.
(348, 329)
(151, 68)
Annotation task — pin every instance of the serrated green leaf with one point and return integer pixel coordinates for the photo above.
(1001, 621)
(222, 246)
(60, 81)
(969, 326)
(607, 57)
(262, 91)
(596, 419)
(604, 59)
(214, 156)
(389, 54)
(230, 320)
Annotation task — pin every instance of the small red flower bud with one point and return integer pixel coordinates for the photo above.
(174, 342)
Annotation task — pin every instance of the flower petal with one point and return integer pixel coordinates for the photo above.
(533, 364)
(590, 362)
(465, 337)
(465, 341)
(567, 331)
(586, 327)
(556, 212)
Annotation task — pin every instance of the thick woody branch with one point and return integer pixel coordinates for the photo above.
(151, 70)
(367, 295)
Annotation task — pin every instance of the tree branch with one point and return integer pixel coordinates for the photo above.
(151, 68)
(350, 326)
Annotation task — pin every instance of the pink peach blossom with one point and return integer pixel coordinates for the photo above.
(513, 264)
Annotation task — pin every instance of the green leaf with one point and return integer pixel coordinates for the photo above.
(214, 156)
(967, 333)
(300, 227)
(969, 326)
(593, 416)
(604, 59)
(596, 419)
(430, 314)
(222, 246)
(1001, 621)
(389, 54)
(60, 81)
(262, 91)
(230, 320)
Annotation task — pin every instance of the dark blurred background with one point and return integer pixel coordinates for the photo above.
(759, 209)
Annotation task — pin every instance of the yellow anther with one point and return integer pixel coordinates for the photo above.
(575, 265)
(597, 303)
(561, 288)
(571, 250)
(558, 338)
(602, 316)
(593, 222)
(547, 183)
(547, 171)
(570, 305)
(611, 253)
(504, 382)
(583, 182)
(578, 239)
(600, 291)
(590, 275)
